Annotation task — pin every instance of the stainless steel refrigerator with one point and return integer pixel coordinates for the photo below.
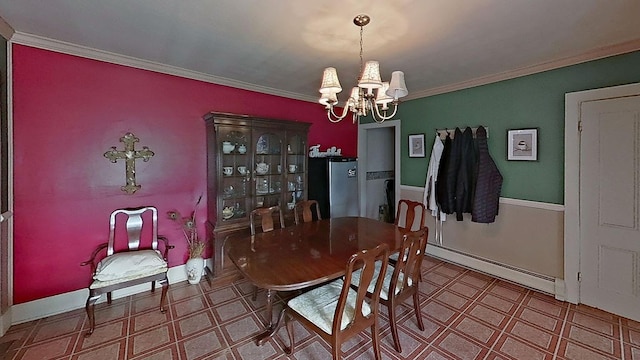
(333, 182)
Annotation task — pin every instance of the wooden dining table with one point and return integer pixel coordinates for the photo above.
(304, 255)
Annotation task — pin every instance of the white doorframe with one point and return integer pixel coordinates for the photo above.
(6, 319)
(573, 102)
(362, 159)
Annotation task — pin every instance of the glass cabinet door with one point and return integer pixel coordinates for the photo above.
(251, 163)
(268, 168)
(235, 173)
(296, 170)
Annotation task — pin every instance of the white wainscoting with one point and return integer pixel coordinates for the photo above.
(495, 236)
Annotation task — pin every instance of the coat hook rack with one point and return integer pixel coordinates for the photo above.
(442, 133)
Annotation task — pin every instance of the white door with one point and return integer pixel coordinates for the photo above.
(610, 205)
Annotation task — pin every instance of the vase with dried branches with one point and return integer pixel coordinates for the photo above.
(189, 227)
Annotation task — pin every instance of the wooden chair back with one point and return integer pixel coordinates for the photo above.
(405, 279)
(406, 270)
(365, 263)
(266, 218)
(410, 215)
(129, 223)
(303, 213)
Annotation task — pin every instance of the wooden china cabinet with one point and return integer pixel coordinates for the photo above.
(251, 162)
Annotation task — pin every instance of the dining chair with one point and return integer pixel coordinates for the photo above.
(400, 280)
(129, 257)
(266, 218)
(303, 213)
(266, 225)
(410, 216)
(337, 312)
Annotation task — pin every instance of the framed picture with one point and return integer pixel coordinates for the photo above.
(416, 145)
(522, 144)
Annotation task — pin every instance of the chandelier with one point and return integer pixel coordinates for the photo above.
(362, 100)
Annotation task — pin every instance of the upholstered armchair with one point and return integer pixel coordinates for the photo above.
(130, 257)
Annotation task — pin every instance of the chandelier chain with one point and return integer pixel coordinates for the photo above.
(361, 57)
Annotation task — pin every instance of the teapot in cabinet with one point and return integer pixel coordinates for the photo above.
(227, 147)
(227, 212)
(262, 168)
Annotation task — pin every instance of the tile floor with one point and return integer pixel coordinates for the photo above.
(467, 315)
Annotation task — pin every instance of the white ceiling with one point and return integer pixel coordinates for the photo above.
(282, 46)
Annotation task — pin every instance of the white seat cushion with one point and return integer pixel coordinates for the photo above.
(96, 284)
(319, 305)
(126, 266)
(394, 257)
(384, 292)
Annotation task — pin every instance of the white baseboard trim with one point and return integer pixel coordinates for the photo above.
(73, 300)
(561, 290)
(5, 322)
(525, 278)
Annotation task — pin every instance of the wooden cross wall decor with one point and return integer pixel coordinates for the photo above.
(130, 155)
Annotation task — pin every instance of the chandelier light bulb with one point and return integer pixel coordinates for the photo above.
(328, 98)
(382, 98)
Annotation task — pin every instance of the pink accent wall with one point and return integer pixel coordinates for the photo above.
(69, 110)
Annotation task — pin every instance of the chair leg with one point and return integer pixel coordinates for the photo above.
(91, 301)
(416, 308)
(336, 349)
(394, 328)
(375, 334)
(163, 295)
(288, 321)
(109, 298)
(255, 293)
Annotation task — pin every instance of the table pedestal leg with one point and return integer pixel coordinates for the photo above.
(271, 327)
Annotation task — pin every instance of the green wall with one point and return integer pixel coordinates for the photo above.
(533, 101)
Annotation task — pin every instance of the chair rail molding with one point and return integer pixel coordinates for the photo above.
(504, 200)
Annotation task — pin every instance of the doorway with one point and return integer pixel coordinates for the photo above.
(602, 135)
(379, 165)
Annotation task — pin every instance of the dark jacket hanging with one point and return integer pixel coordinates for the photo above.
(451, 174)
(441, 181)
(488, 183)
(465, 178)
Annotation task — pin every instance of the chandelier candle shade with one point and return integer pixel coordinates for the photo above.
(362, 99)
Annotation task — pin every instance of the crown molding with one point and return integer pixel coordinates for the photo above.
(114, 58)
(603, 52)
(6, 31)
(41, 42)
